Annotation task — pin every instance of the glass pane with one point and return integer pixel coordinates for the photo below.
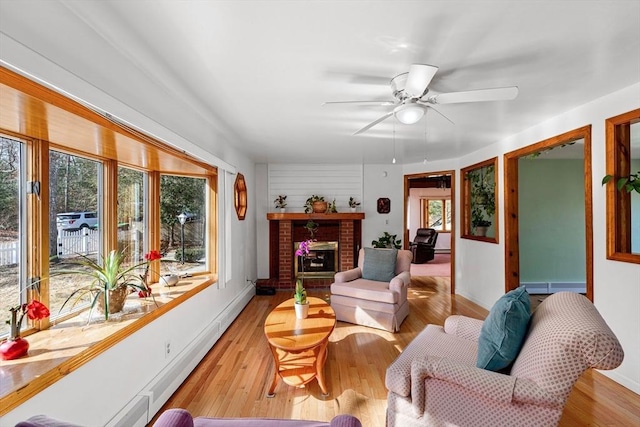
(74, 223)
(183, 246)
(435, 214)
(447, 206)
(10, 248)
(132, 222)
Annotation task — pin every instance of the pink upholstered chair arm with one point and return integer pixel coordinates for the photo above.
(463, 327)
(491, 385)
(348, 275)
(402, 280)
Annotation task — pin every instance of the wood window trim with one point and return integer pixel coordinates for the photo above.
(511, 247)
(240, 196)
(465, 200)
(618, 203)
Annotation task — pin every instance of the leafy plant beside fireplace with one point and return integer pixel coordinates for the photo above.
(387, 241)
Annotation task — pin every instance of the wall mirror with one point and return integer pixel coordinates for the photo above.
(623, 206)
(480, 214)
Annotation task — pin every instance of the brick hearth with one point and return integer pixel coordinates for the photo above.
(287, 228)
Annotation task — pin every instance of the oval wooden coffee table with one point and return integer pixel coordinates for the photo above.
(299, 346)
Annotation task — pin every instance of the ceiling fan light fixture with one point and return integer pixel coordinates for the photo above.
(408, 114)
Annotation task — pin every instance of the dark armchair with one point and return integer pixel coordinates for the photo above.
(424, 245)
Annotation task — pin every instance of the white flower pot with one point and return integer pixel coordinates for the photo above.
(302, 310)
(169, 279)
(283, 210)
(353, 209)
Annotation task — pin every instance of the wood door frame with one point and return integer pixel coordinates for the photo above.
(451, 173)
(512, 248)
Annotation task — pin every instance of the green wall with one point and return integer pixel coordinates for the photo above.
(551, 220)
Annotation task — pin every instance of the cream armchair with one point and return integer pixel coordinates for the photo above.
(434, 381)
(378, 304)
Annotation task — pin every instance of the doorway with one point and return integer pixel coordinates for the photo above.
(515, 223)
(430, 203)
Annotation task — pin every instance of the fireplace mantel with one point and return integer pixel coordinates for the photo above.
(296, 216)
(289, 227)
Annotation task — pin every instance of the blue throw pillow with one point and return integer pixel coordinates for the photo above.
(503, 331)
(379, 264)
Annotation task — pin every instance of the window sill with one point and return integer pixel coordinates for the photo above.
(60, 350)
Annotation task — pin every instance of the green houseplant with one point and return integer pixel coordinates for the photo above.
(483, 198)
(626, 183)
(315, 204)
(387, 241)
(280, 202)
(110, 281)
(353, 204)
(301, 304)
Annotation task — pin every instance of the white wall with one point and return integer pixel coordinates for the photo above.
(480, 266)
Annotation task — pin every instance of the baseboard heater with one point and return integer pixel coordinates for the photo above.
(143, 407)
(553, 287)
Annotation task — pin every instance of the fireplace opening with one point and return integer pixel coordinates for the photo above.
(322, 261)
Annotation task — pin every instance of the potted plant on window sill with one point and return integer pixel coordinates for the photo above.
(353, 204)
(281, 203)
(111, 282)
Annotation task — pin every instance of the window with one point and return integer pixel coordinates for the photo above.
(74, 225)
(132, 217)
(436, 214)
(184, 246)
(479, 213)
(11, 248)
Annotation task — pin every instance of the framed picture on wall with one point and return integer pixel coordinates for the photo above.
(384, 205)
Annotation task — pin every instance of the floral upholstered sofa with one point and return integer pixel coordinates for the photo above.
(435, 380)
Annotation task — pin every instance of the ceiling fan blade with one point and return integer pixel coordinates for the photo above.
(360, 102)
(481, 95)
(420, 75)
(431, 108)
(375, 122)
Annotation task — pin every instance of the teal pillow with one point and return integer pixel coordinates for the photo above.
(379, 264)
(503, 331)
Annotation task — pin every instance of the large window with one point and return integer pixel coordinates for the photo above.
(11, 254)
(132, 217)
(183, 243)
(74, 224)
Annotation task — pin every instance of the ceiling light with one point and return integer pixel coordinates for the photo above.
(408, 113)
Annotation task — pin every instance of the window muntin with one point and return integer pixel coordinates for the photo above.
(188, 195)
(74, 190)
(12, 258)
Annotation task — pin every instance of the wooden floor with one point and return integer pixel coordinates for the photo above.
(233, 379)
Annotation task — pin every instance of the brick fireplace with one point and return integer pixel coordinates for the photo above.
(287, 228)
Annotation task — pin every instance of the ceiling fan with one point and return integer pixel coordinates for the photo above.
(412, 97)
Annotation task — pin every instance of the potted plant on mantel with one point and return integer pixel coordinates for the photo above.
(353, 204)
(281, 202)
(315, 204)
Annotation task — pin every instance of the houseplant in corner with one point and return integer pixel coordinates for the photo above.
(301, 304)
(387, 241)
(281, 202)
(353, 204)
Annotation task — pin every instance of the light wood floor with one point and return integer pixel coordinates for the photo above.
(233, 379)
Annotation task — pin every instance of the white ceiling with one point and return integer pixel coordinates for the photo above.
(255, 73)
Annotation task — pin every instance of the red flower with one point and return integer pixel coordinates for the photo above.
(153, 255)
(37, 310)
